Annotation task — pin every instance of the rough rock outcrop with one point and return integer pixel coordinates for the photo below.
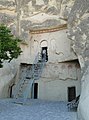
(7, 75)
(78, 24)
(8, 16)
(79, 30)
(24, 15)
(34, 14)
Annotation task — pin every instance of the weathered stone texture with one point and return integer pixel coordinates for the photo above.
(7, 18)
(79, 29)
(7, 3)
(78, 24)
(8, 15)
(52, 10)
(26, 13)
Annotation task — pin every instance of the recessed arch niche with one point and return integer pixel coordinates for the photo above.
(43, 43)
(53, 45)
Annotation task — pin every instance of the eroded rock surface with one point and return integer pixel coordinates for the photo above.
(40, 14)
(78, 23)
(79, 30)
(24, 15)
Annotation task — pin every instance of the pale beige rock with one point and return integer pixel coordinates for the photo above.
(62, 69)
(78, 24)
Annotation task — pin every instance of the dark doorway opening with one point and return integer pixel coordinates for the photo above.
(35, 90)
(44, 54)
(11, 89)
(71, 93)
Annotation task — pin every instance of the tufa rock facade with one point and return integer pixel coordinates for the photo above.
(78, 24)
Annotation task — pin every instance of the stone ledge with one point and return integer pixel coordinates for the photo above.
(53, 29)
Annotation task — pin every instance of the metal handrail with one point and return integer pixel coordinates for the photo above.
(22, 80)
(26, 93)
(32, 80)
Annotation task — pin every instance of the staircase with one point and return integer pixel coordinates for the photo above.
(24, 87)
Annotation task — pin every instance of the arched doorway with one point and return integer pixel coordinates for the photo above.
(44, 50)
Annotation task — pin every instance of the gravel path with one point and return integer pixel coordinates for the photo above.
(11, 109)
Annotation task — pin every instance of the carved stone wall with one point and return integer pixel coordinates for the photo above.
(23, 16)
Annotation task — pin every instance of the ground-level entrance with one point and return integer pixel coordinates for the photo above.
(71, 93)
(35, 90)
